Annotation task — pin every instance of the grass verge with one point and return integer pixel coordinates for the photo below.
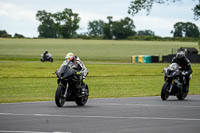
(33, 81)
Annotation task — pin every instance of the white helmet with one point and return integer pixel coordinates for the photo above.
(69, 56)
(180, 55)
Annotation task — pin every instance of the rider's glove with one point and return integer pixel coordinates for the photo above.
(78, 73)
(184, 73)
(84, 81)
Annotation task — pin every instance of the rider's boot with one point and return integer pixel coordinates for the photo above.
(187, 88)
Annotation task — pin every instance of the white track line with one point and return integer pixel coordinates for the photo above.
(105, 117)
(27, 102)
(147, 105)
(6, 131)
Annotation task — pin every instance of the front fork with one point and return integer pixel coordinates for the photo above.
(66, 88)
(170, 88)
(171, 84)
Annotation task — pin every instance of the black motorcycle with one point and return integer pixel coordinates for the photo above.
(48, 57)
(70, 86)
(175, 82)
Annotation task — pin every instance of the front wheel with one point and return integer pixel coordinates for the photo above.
(41, 60)
(59, 97)
(165, 91)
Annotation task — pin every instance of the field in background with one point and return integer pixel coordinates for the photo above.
(88, 50)
(24, 78)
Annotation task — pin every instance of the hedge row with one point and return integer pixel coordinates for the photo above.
(148, 38)
(158, 38)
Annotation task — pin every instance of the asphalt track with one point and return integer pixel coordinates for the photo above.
(113, 115)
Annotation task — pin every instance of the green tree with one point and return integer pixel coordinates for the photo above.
(118, 29)
(61, 24)
(4, 34)
(191, 30)
(197, 11)
(187, 29)
(123, 28)
(107, 29)
(145, 33)
(18, 36)
(199, 43)
(178, 29)
(138, 5)
(95, 28)
(67, 23)
(47, 27)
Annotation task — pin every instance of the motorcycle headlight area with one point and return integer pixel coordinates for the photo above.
(173, 66)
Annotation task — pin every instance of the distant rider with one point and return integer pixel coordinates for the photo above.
(45, 55)
(78, 65)
(185, 65)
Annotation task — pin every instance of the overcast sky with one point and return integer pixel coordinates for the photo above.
(18, 16)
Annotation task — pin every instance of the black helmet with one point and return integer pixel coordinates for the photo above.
(180, 55)
(46, 51)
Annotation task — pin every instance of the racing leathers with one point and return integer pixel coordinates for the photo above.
(78, 65)
(185, 65)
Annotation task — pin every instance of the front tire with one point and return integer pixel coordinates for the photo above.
(41, 60)
(165, 91)
(59, 97)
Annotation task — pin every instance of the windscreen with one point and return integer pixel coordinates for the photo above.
(65, 68)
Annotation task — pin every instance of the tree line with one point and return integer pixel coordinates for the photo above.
(66, 23)
(4, 34)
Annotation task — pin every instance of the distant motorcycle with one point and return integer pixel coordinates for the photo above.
(70, 86)
(47, 58)
(175, 83)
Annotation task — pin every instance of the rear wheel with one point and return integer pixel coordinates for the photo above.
(165, 91)
(51, 59)
(182, 96)
(59, 97)
(81, 101)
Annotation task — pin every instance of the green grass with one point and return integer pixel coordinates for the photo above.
(24, 78)
(34, 81)
(88, 50)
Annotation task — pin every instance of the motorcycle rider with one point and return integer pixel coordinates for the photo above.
(185, 65)
(78, 64)
(45, 54)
